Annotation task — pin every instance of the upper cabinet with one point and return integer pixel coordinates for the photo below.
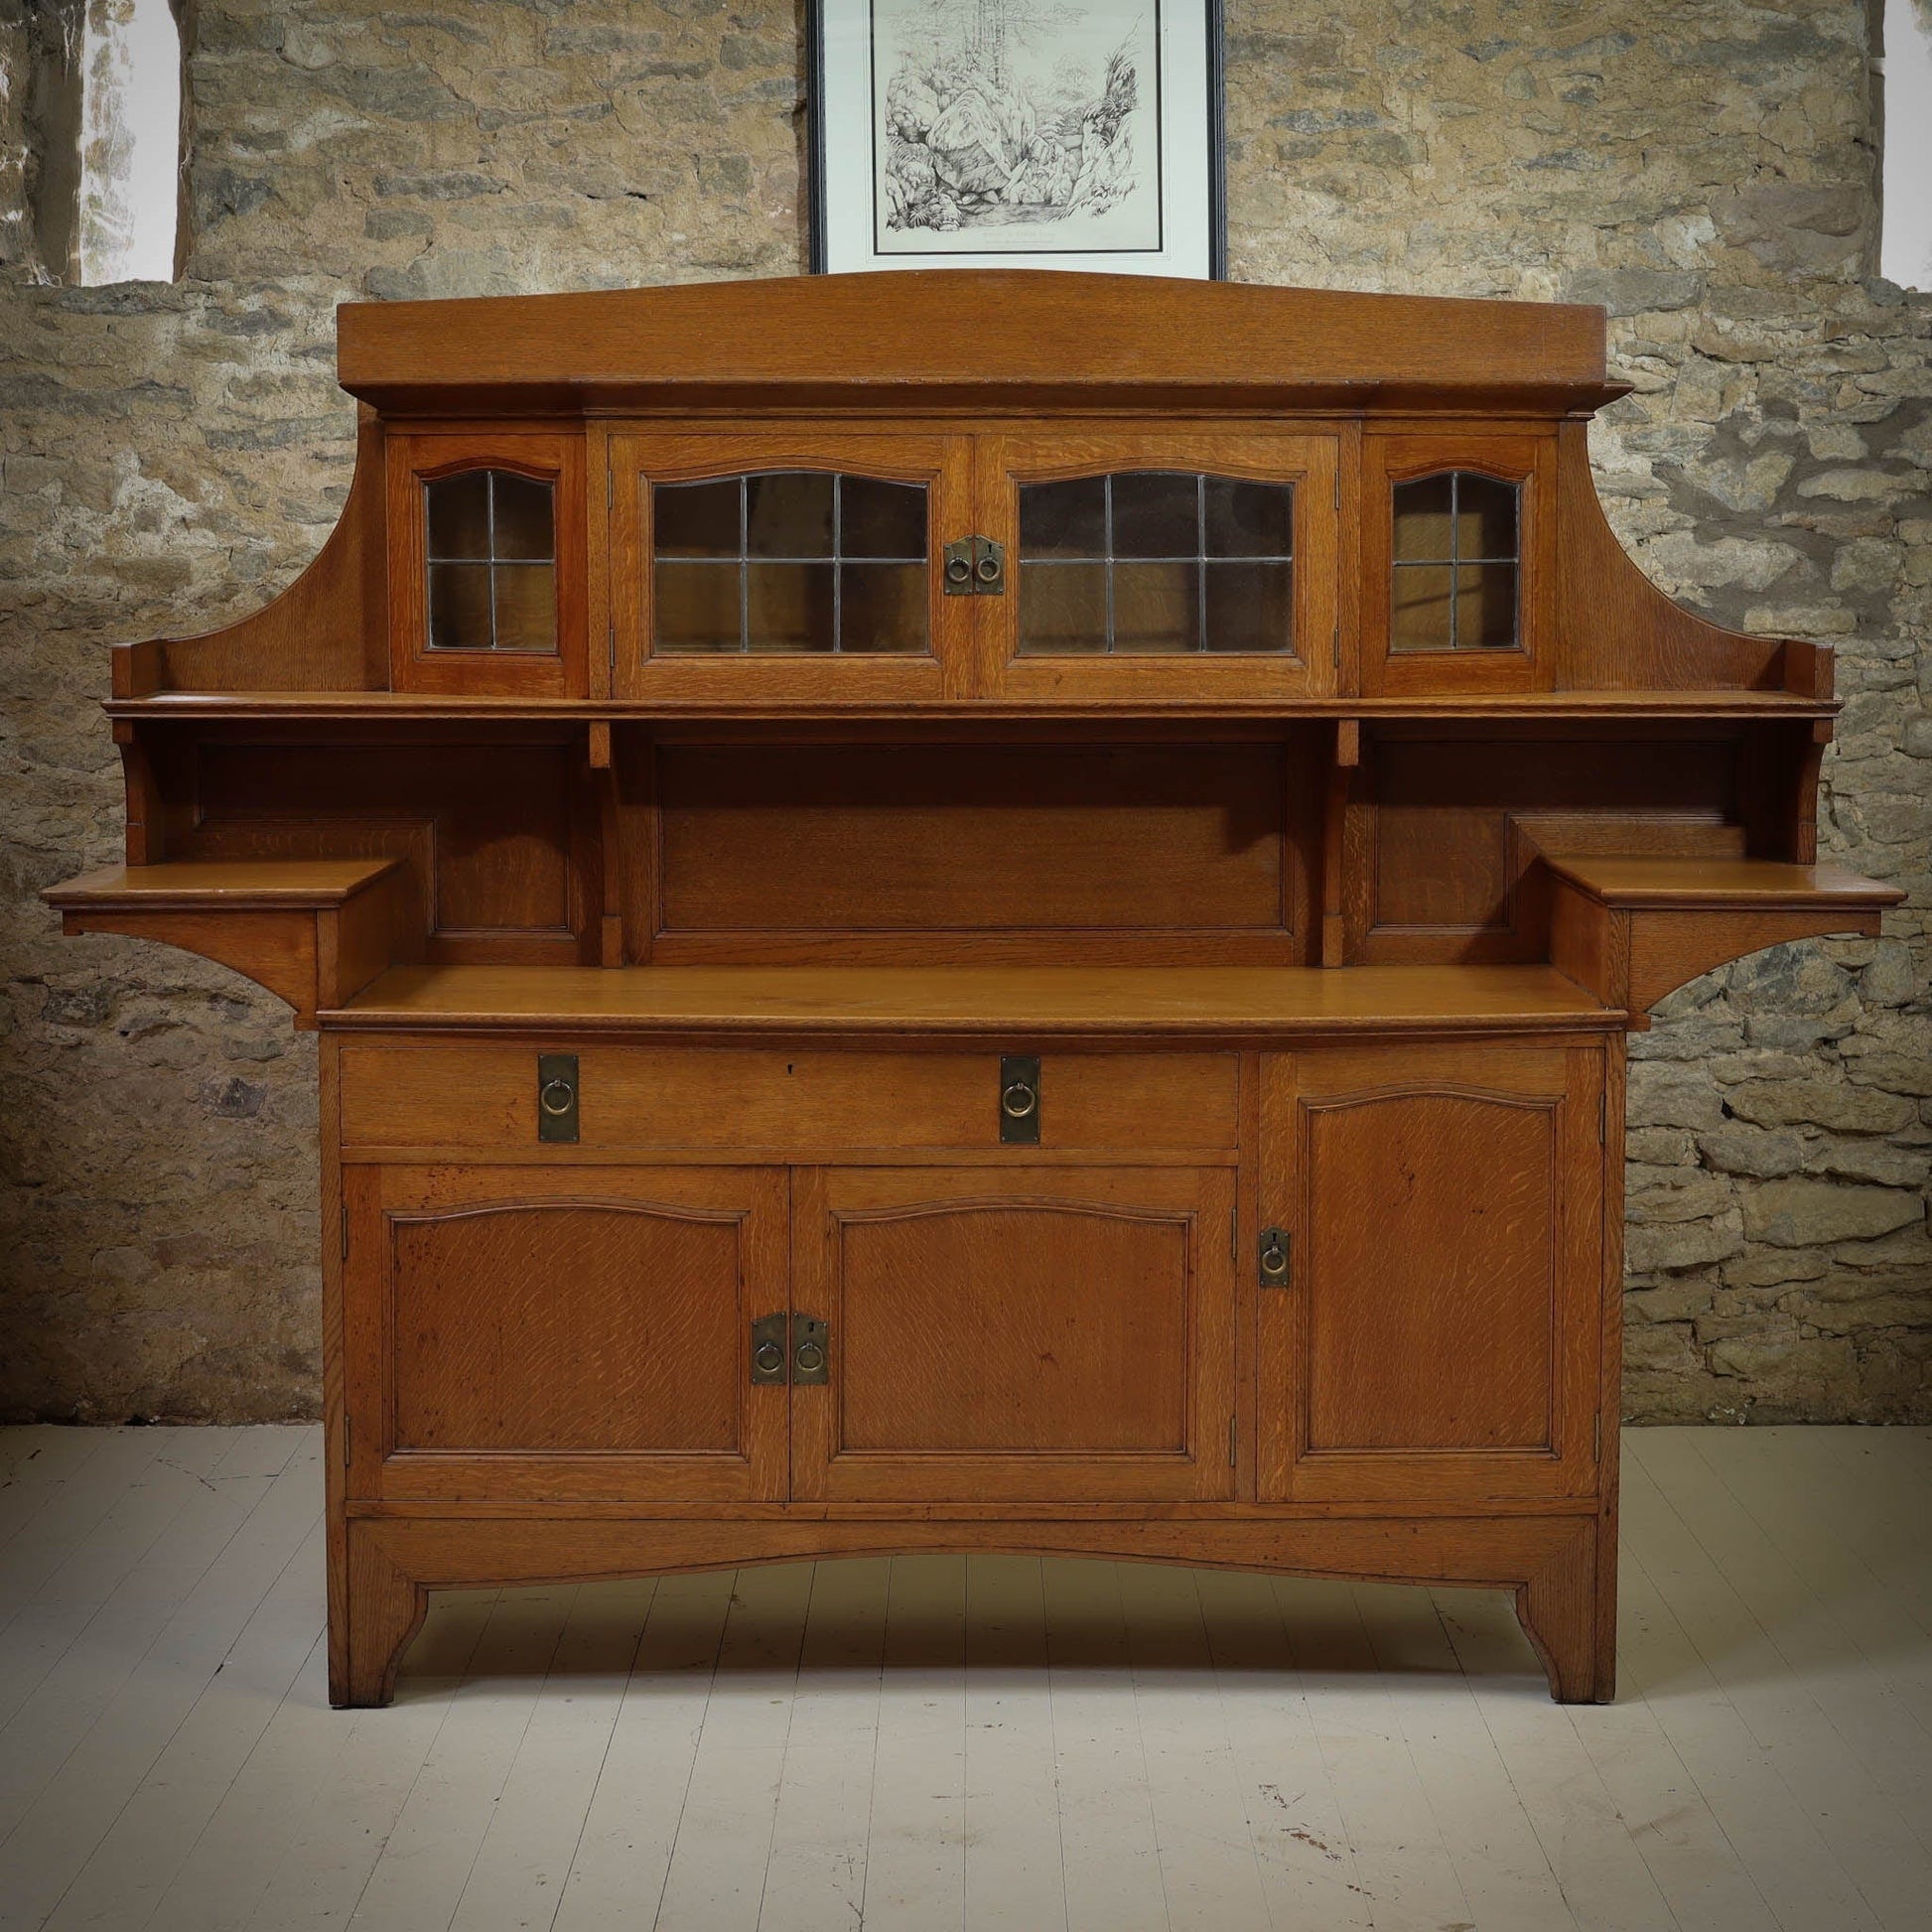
(977, 487)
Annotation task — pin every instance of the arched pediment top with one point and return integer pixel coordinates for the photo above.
(969, 330)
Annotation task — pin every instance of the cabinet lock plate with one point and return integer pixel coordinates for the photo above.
(1019, 1100)
(973, 567)
(556, 1096)
(1271, 1262)
(790, 1348)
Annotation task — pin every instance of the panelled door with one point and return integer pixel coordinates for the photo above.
(557, 1333)
(794, 565)
(1007, 1334)
(1147, 563)
(1430, 1320)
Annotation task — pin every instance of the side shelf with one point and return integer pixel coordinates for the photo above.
(1633, 928)
(314, 931)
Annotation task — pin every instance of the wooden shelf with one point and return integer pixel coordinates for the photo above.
(1632, 927)
(314, 931)
(1007, 1001)
(362, 706)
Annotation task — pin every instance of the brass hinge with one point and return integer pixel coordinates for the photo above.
(345, 1442)
(1337, 642)
(1598, 1452)
(611, 643)
(1604, 1119)
(1230, 1441)
(609, 489)
(345, 1230)
(1337, 488)
(1234, 1234)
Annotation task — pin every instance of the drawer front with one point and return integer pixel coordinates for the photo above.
(411, 1094)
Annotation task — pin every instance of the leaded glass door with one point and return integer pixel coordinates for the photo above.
(798, 563)
(1163, 565)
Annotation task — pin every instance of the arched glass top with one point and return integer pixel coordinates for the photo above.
(492, 561)
(1455, 563)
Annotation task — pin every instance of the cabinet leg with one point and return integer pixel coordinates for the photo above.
(1563, 1611)
(385, 1611)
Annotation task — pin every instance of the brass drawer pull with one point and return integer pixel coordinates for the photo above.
(1019, 1100)
(556, 1096)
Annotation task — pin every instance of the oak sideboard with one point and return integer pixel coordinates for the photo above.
(972, 912)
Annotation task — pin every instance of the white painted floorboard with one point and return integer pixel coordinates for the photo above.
(926, 1743)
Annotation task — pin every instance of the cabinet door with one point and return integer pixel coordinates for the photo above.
(1185, 563)
(1440, 1333)
(1010, 1334)
(794, 565)
(1458, 564)
(570, 1334)
(488, 562)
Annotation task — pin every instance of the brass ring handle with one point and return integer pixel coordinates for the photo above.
(988, 569)
(958, 570)
(1019, 1101)
(769, 1357)
(566, 1097)
(810, 1356)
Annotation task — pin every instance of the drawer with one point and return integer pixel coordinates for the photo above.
(429, 1094)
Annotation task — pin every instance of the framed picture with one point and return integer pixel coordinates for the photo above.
(1017, 134)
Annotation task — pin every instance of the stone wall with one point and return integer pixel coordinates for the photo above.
(169, 456)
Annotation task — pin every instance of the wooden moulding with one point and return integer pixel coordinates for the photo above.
(1633, 928)
(1549, 1562)
(965, 332)
(314, 931)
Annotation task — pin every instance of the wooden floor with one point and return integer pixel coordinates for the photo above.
(933, 1742)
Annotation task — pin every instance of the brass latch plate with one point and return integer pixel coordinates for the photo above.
(556, 1096)
(973, 567)
(1019, 1100)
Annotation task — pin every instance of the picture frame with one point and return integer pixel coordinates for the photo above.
(1071, 134)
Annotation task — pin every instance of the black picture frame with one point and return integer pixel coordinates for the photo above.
(815, 144)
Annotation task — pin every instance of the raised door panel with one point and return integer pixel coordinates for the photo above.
(540, 1334)
(1029, 1335)
(794, 565)
(1438, 1336)
(1186, 562)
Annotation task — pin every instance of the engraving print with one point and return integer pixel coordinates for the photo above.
(1016, 126)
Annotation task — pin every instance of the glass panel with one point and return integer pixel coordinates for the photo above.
(1157, 607)
(458, 515)
(1249, 519)
(1250, 607)
(1485, 517)
(695, 519)
(1485, 606)
(459, 606)
(522, 519)
(697, 606)
(881, 519)
(1156, 515)
(789, 608)
(1062, 609)
(1422, 519)
(1065, 519)
(1422, 615)
(526, 607)
(788, 513)
(882, 607)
